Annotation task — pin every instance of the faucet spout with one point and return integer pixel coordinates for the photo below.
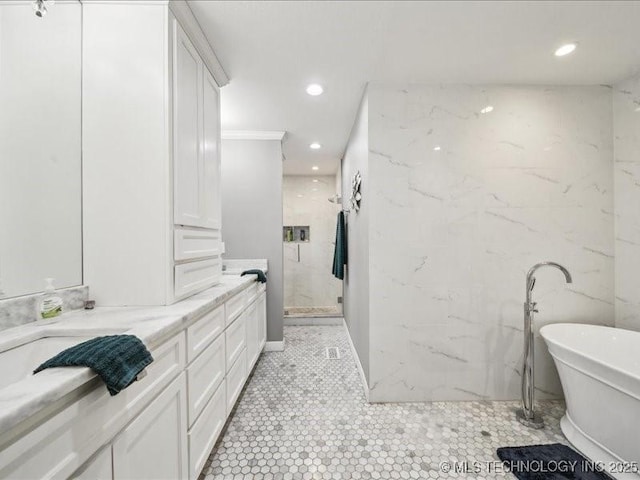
(531, 280)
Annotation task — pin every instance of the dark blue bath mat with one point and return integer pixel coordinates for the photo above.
(549, 462)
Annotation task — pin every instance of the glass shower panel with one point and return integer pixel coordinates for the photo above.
(308, 239)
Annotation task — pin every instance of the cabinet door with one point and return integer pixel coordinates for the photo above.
(252, 334)
(98, 468)
(262, 320)
(187, 113)
(211, 151)
(154, 445)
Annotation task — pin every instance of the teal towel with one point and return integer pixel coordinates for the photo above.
(117, 359)
(262, 277)
(340, 251)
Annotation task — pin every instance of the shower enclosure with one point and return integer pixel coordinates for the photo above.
(308, 236)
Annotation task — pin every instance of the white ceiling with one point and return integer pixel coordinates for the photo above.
(273, 49)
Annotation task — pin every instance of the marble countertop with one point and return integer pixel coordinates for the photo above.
(153, 325)
(236, 267)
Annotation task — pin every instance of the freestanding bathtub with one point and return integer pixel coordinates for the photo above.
(599, 368)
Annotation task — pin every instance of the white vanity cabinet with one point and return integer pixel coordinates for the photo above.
(219, 366)
(163, 426)
(151, 153)
(154, 445)
(256, 326)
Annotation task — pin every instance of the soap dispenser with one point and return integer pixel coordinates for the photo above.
(51, 305)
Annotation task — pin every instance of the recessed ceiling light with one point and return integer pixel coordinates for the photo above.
(314, 189)
(437, 148)
(315, 180)
(487, 109)
(637, 109)
(300, 196)
(565, 49)
(315, 167)
(315, 146)
(315, 89)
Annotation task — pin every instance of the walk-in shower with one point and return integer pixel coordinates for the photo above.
(309, 223)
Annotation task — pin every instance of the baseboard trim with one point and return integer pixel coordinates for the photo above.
(274, 346)
(365, 386)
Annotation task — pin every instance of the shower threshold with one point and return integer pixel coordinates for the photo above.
(306, 312)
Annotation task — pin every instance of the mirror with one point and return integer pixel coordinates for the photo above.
(40, 147)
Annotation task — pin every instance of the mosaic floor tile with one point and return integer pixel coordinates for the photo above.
(304, 416)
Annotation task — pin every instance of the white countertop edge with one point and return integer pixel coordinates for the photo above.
(153, 325)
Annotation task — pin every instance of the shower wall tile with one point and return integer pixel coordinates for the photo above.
(462, 204)
(626, 114)
(309, 282)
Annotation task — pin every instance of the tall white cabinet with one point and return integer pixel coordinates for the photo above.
(151, 154)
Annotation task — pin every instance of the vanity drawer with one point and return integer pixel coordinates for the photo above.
(192, 277)
(204, 331)
(235, 340)
(235, 380)
(205, 432)
(234, 306)
(168, 362)
(190, 244)
(204, 376)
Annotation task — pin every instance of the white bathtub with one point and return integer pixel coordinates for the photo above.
(599, 369)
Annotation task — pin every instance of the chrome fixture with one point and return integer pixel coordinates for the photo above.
(356, 194)
(40, 7)
(527, 416)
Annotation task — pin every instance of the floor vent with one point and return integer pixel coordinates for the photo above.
(332, 353)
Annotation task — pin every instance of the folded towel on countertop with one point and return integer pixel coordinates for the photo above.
(117, 359)
(262, 277)
(340, 251)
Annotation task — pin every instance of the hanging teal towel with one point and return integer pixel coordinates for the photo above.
(117, 359)
(340, 252)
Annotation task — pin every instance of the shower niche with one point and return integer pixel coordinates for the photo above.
(296, 233)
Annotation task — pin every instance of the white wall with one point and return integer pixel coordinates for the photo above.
(252, 214)
(40, 148)
(309, 282)
(356, 281)
(453, 232)
(626, 113)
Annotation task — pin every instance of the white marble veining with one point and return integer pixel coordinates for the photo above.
(233, 266)
(21, 310)
(153, 325)
(461, 205)
(309, 281)
(626, 115)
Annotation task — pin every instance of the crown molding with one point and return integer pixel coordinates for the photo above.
(252, 135)
(182, 11)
